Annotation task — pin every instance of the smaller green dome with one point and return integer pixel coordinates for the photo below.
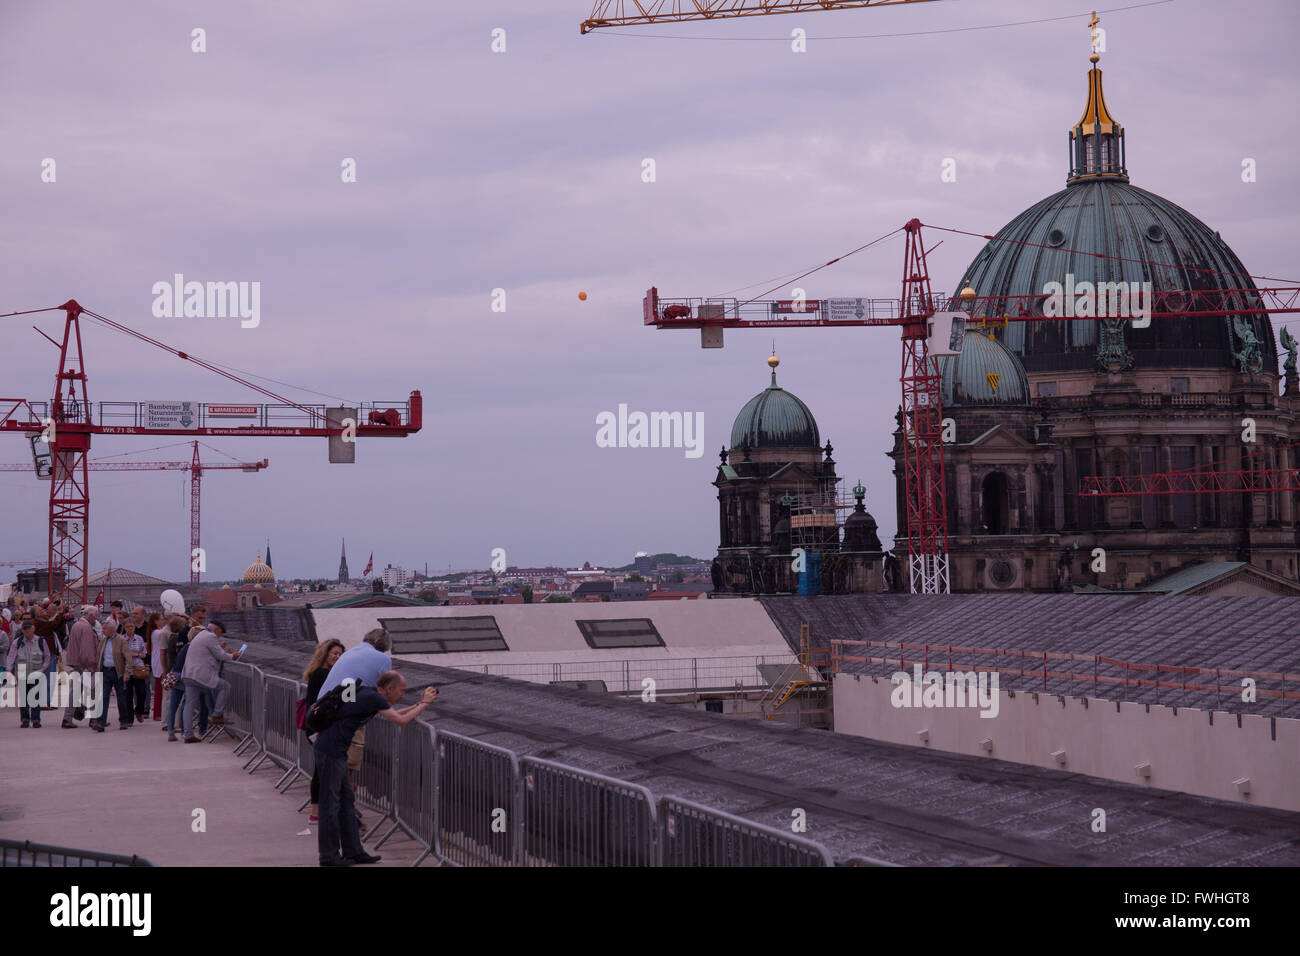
(775, 418)
(985, 373)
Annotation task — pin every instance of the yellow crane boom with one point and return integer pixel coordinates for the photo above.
(622, 13)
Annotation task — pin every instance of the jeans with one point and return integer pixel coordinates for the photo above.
(113, 684)
(31, 688)
(196, 695)
(80, 678)
(338, 828)
(137, 691)
(174, 709)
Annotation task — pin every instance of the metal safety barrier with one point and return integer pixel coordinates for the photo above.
(27, 853)
(578, 818)
(281, 742)
(373, 784)
(413, 788)
(259, 721)
(476, 802)
(692, 835)
(239, 702)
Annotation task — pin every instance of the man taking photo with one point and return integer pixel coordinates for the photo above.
(339, 839)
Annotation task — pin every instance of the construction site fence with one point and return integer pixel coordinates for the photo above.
(470, 803)
(26, 853)
(693, 674)
(1103, 670)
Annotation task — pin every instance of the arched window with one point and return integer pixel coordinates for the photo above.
(994, 503)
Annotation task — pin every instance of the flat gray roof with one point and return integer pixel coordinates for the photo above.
(862, 797)
(1257, 634)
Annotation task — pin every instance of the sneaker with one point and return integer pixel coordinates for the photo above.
(193, 740)
(337, 861)
(35, 724)
(166, 729)
(97, 728)
(313, 819)
(68, 724)
(24, 725)
(365, 858)
(172, 737)
(124, 727)
(217, 719)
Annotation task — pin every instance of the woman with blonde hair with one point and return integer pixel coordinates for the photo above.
(327, 652)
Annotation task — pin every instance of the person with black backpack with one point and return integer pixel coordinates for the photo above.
(335, 717)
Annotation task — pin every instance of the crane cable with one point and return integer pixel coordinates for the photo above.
(825, 264)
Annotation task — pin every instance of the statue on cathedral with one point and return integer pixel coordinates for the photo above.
(1250, 358)
(1289, 343)
(1112, 354)
(893, 574)
(1064, 572)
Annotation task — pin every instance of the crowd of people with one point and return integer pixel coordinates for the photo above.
(167, 668)
(155, 666)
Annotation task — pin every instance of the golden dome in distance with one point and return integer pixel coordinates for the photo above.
(259, 573)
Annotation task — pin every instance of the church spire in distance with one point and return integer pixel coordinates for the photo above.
(343, 564)
(1097, 140)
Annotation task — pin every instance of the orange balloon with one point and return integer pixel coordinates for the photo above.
(582, 296)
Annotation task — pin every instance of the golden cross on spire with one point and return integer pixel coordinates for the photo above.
(1093, 24)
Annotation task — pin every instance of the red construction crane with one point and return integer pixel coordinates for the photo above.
(927, 322)
(622, 13)
(194, 466)
(68, 421)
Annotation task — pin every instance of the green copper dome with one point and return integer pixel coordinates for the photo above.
(985, 373)
(775, 418)
(1119, 220)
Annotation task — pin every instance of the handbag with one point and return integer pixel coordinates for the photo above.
(170, 680)
(301, 712)
(322, 714)
(140, 672)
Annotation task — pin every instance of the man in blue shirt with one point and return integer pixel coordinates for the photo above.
(339, 838)
(363, 663)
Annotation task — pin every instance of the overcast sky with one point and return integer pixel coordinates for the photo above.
(522, 171)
